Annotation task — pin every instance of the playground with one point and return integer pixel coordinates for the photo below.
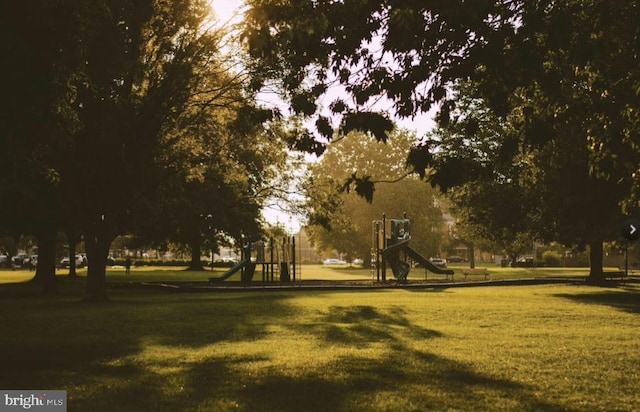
(390, 248)
(272, 264)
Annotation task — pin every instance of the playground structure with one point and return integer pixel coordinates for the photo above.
(277, 261)
(391, 247)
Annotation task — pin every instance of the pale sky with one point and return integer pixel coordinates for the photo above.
(226, 11)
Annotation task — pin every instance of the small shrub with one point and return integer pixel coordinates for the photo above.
(551, 258)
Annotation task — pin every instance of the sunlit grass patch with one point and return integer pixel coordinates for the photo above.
(548, 347)
(304, 272)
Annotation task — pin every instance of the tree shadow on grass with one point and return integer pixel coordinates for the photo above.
(53, 343)
(159, 353)
(402, 378)
(18, 290)
(413, 381)
(362, 325)
(624, 300)
(408, 382)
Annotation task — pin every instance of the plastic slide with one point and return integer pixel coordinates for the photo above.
(246, 263)
(426, 262)
(399, 268)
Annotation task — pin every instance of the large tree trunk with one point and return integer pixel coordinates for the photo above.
(97, 252)
(72, 239)
(512, 260)
(596, 274)
(195, 245)
(45, 275)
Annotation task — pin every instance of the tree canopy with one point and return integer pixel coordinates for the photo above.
(110, 105)
(557, 62)
(341, 220)
(509, 190)
(563, 76)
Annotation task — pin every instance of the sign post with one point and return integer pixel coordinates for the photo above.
(631, 232)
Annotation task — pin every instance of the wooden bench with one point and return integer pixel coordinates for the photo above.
(475, 272)
(615, 275)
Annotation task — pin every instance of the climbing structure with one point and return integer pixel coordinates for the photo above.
(391, 248)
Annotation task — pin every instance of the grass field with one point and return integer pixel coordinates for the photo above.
(307, 272)
(516, 348)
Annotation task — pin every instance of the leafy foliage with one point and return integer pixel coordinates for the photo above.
(559, 78)
(342, 220)
(406, 52)
(565, 63)
(123, 102)
(533, 189)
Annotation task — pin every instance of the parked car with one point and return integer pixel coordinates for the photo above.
(20, 259)
(439, 262)
(80, 262)
(4, 260)
(455, 259)
(358, 261)
(526, 262)
(223, 262)
(333, 262)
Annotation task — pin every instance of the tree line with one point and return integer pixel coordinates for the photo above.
(127, 116)
(341, 220)
(537, 101)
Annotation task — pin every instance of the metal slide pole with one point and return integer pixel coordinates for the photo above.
(384, 245)
(376, 248)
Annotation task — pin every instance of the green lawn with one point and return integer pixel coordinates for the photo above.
(517, 348)
(307, 272)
